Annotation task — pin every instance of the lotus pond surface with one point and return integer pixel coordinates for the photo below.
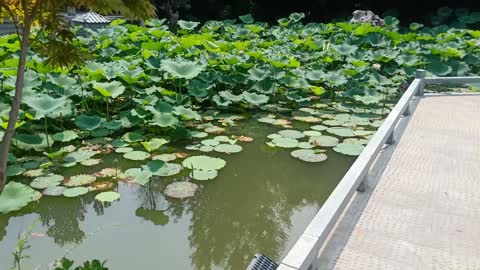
(260, 202)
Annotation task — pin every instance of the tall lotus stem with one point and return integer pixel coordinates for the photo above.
(46, 132)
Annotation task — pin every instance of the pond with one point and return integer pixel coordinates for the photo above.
(260, 202)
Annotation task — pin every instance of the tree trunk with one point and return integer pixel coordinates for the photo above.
(17, 100)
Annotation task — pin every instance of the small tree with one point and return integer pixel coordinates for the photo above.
(54, 40)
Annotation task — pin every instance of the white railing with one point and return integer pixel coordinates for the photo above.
(304, 254)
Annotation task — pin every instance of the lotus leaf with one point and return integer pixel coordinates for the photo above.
(342, 132)
(111, 89)
(210, 142)
(186, 25)
(54, 191)
(204, 163)
(75, 192)
(214, 130)
(15, 196)
(65, 136)
(80, 180)
(138, 175)
(255, 99)
(308, 155)
(78, 156)
(291, 133)
(108, 196)
(181, 190)
(169, 169)
(154, 166)
(247, 18)
(351, 149)
(285, 142)
(136, 155)
(186, 113)
(123, 150)
(34, 173)
(356, 141)
(37, 142)
(274, 136)
(164, 120)
(45, 104)
(48, 181)
(133, 137)
(203, 175)
(86, 122)
(199, 134)
(182, 69)
(91, 162)
(326, 141)
(206, 148)
(154, 144)
(13, 170)
(312, 133)
(165, 157)
(228, 148)
(305, 145)
(308, 119)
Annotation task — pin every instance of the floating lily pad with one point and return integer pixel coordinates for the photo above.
(350, 149)
(308, 155)
(80, 180)
(108, 196)
(154, 166)
(228, 148)
(206, 148)
(342, 132)
(107, 172)
(198, 134)
(139, 175)
(312, 133)
(47, 181)
(362, 132)
(215, 130)
(285, 142)
(75, 192)
(136, 155)
(291, 133)
(194, 147)
(133, 137)
(34, 173)
(222, 139)
(54, 191)
(356, 140)
(91, 162)
(124, 150)
(181, 190)
(326, 141)
(210, 142)
(308, 119)
(165, 157)
(79, 156)
(15, 196)
(204, 163)
(169, 169)
(203, 175)
(319, 127)
(305, 145)
(274, 136)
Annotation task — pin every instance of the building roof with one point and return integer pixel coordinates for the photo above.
(90, 17)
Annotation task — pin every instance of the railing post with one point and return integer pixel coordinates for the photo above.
(407, 110)
(391, 138)
(420, 74)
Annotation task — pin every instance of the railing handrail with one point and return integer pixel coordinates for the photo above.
(304, 254)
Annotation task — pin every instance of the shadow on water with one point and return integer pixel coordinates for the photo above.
(260, 202)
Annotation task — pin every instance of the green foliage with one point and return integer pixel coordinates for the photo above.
(66, 264)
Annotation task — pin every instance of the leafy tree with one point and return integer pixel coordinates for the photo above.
(54, 39)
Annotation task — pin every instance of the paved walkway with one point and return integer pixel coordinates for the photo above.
(424, 212)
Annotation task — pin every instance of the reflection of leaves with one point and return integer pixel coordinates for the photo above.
(154, 216)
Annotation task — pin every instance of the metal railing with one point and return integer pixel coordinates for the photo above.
(304, 254)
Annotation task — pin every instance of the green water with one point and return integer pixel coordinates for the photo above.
(260, 202)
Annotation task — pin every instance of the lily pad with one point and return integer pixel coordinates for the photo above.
(210, 142)
(165, 157)
(85, 122)
(154, 166)
(350, 149)
(136, 155)
(54, 191)
(66, 136)
(204, 163)
(285, 142)
(291, 133)
(124, 150)
(342, 132)
(319, 127)
(132, 137)
(75, 192)
(47, 181)
(274, 136)
(169, 169)
(308, 155)
(181, 190)
(203, 175)
(108, 196)
(15, 196)
(139, 175)
(326, 141)
(13, 170)
(228, 148)
(312, 133)
(91, 162)
(198, 134)
(205, 148)
(305, 145)
(80, 180)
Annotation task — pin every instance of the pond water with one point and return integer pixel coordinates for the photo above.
(260, 202)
